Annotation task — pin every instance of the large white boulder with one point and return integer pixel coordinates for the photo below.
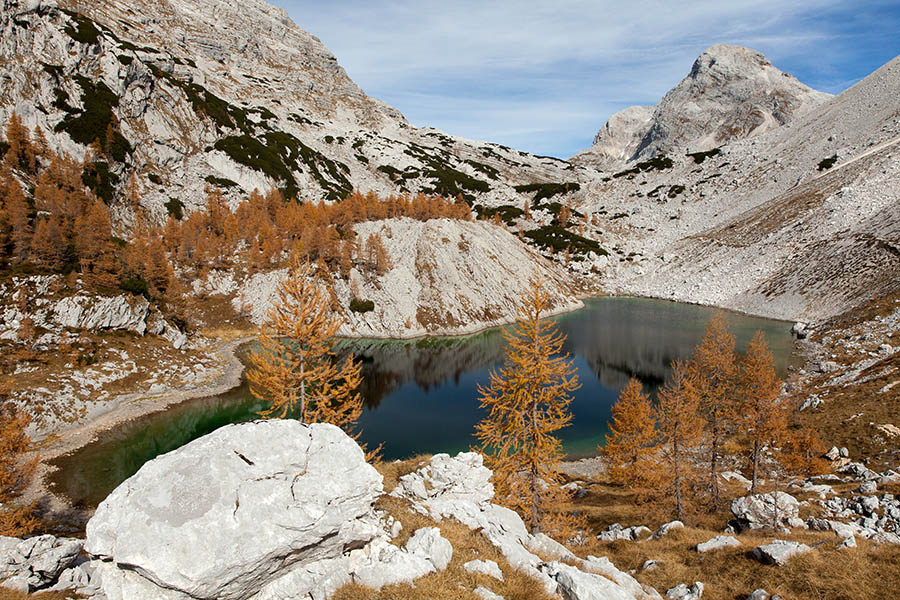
(779, 552)
(765, 511)
(232, 511)
(123, 312)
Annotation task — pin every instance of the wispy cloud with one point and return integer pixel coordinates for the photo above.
(544, 76)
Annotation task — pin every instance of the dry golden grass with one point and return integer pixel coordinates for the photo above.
(6, 594)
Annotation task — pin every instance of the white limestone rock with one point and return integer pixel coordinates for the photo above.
(486, 594)
(484, 567)
(128, 313)
(230, 512)
(575, 584)
(717, 543)
(428, 543)
(666, 528)
(39, 560)
(765, 511)
(683, 592)
(779, 552)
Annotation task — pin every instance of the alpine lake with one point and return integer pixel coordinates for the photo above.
(421, 396)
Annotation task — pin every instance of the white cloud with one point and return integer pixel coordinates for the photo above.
(544, 76)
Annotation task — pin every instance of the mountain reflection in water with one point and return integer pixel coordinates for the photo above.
(421, 395)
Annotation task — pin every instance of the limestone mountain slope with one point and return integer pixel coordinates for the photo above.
(179, 94)
(730, 93)
(448, 277)
(800, 222)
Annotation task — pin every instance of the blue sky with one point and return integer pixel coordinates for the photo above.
(544, 76)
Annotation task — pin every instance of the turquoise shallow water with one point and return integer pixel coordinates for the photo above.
(421, 395)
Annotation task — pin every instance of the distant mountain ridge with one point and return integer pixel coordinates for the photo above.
(730, 93)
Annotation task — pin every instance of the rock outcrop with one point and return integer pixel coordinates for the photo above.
(459, 488)
(765, 511)
(779, 552)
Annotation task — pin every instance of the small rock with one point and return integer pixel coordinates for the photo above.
(833, 453)
(885, 349)
(650, 565)
(683, 592)
(867, 487)
(428, 543)
(848, 542)
(718, 542)
(484, 567)
(779, 552)
(758, 594)
(666, 528)
(845, 453)
(486, 594)
(764, 511)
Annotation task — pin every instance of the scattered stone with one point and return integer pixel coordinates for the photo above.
(758, 594)
(833, 453)
(17, 583)
(827, 366)
(650, 565)
(889, 430)
(618, 532)
(735, 476)
(848, 542)
(799, 330)
(428, 543)
(764, 511)
(779, 552)
(845, 453)
(859, 471)
(486, 594)
(719, 542)
(484, 567)
(683, 592)
(885, 349)
(574, 584)
(666, 528)
(867, 487)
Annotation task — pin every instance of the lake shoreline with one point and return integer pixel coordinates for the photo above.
(134, 406)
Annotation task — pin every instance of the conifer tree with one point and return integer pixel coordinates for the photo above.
(631, 441)
(46, 244)
(296, 368)
(93, 242)
(15, 469)
(527, 402)
(680, 427)
(713, 369)
(21, 229)
(760, 418)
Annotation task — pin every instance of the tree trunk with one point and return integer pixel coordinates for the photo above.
(713, 463)
(756, 451)
(302, 391)
(679, 510)
(535, 494)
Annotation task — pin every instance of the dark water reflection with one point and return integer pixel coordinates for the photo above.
(421, 395)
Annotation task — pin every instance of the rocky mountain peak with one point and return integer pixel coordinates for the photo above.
(730, 93)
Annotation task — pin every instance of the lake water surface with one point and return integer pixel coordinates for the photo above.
(421, 395)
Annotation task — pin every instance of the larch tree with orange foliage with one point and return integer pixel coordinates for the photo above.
(761, 419)
(527, 402)
(296, 368)
(631, 443)
(93, 243)
(713, 369)
(16, 470)
(680, 428)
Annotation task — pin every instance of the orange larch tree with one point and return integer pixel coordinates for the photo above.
(631, 444)
(680, 428)
(527, 402)
(296, 368)
(761, 419)
(16, 470)
(713, 369)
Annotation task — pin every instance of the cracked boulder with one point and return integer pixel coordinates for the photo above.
(227, 514)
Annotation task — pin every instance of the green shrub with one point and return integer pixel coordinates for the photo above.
(508, 213)
(82, 30)
(699, 157)
(90, 124)
(361, 306)
(175, 208)
(220, 182)
(827, 163)
(559, 239)
(154, 178)
(98, 178)
(134, 286)
(545, 191)
(657, 163)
